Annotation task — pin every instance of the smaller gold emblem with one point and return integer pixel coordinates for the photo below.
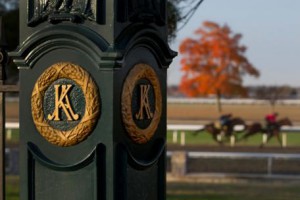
(65, 104)
(141, 103)
(144, 103)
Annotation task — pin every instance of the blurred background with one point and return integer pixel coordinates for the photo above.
(233, 99)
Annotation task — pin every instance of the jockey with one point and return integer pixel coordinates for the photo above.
(271, 120)
(225, 121)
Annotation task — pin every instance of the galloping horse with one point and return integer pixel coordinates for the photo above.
(217, 131)
(214, 131)
(229, 129)
(275, 131)
(211, 129)
(253, 129)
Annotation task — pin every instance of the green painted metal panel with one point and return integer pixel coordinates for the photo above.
(120, 158)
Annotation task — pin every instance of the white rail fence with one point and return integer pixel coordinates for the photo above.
(9, 126)
(265, 164)
(179, 131)
(231, 101)
(179, 160)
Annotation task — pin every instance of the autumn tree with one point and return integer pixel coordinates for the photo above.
(214, 63)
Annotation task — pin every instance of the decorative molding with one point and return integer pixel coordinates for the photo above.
(87, 42)
(55, 11)
(38, 155)
(137, 134)
(141, 36)
(92, 104)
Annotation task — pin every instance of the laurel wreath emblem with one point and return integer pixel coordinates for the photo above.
(140, 71)
(92, 108)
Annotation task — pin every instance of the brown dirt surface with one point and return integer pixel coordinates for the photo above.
(12, 111)
(188, 113)
(193, 113)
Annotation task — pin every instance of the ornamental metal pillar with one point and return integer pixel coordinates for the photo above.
(3, 59)
(93, 99)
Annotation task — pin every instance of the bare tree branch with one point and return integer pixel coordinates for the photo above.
(189, 10)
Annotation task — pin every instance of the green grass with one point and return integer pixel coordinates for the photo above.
(12, 188)
(251, 190)
(206, 191)
(283, 190)
(204, 138)
(15, 136)
(195, 197)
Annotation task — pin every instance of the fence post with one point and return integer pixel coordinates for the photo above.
(269, 166)
(182, 138)
(232, 141)
(175, 136)
(179, 163)
(264, 138)
(284, 139)
(9, 134)
(219, 137)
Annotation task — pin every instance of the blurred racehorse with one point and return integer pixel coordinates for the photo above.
(217, 131)
(253, 129)
(229, 129)
(275, 130)
(271, 132)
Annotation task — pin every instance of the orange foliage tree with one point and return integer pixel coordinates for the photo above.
(214, 63)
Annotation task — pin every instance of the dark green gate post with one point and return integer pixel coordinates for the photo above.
(93, 99)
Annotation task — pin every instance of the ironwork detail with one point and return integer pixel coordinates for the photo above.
(142, 11)
(54, 135)
(136, 133)
(55, 11)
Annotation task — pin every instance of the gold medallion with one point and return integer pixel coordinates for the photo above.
(141, 103)
(65, 104)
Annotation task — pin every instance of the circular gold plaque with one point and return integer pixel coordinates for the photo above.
(62, 78)
(142, 86)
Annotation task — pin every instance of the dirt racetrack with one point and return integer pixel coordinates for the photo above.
(12, 110)
(196, 113)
